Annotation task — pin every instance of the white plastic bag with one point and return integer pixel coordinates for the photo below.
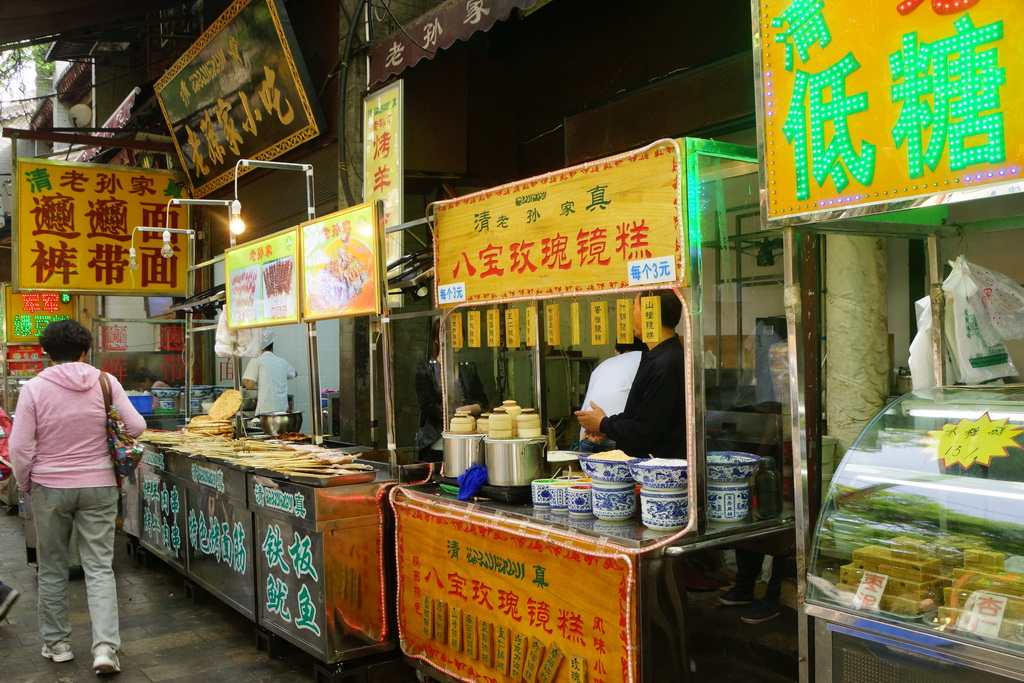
(981, 354)
(247, 343)
(922, 362)
(1001, 298)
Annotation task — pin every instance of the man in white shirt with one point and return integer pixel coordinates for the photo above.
(269, 374)
(609, 385)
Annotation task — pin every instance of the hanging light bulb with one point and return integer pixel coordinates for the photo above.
(133, 264)
(166, 251)
(236, 225)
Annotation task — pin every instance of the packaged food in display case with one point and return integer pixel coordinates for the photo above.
(924, 521)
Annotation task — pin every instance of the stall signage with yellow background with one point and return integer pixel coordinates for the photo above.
(383, 172)
(485, 602)
(341, 264)
(610, 223)
(878, 102)
(263, 281)
(27, 315)
(74, 229)
(238, 92)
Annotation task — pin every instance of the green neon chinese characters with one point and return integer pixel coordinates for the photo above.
(963, 83)
(805, 27)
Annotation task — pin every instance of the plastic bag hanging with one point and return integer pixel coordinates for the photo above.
(1000, 298)
(980, 354)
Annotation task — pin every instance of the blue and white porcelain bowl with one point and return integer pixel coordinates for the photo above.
(166, 399)
(663, 509)
(579, 500)
(559, 498)
(541, 490)
(731, 466)
(613, 501)
(728, 502)
(606, 470)
(659, 473)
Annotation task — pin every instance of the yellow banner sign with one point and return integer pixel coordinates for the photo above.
(27, 315)
(383, 145)
(650, 319)
(455, 328)
(623, 321)
(574, 323)
(473, 329)
(75, 228)
(534, 603)
(599, 323)
(554, 323)
(531, 325)
(512, 328)
(878, 102)
(493, 327)
(615, 222)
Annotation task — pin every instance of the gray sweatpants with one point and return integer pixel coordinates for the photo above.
(93, 512)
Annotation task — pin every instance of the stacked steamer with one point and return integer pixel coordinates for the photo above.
(217, 422)
(463, 446)
(514, 448)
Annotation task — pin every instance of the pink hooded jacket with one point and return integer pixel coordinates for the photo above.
(59, 437)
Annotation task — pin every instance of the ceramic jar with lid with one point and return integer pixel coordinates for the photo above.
(499, 425)
(463, 423)
(528, 424)
(481, 423)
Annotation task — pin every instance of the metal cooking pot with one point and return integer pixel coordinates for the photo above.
(514, 462)
(249, 397)
(280, 422)
(461, 451)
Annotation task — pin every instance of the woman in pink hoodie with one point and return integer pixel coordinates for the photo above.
(60, 454)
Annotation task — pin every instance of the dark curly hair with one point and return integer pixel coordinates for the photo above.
(65, 340)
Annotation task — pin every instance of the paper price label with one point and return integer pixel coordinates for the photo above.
(455, 328)
(473, 329)
(553, 317)
(512, 328)
(599, 322)
(650, 319)
(574, 321)
(623, 321)
(983, 613)
(493, 327)
(869, 592)
(531, 325)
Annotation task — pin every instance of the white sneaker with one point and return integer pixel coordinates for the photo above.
(60, 652)
(105, 660)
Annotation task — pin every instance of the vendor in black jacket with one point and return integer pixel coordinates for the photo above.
(654, 420)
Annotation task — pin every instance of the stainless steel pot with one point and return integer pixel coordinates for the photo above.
(461, 451)
(281, 422)
(514, 462)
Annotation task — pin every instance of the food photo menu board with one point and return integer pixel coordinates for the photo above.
(341, 254)
(263, 282)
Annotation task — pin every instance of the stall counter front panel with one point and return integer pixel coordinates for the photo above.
(484, 599)
(162, 528)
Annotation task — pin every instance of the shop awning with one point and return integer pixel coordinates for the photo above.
(32, 21)
(113, 123)
(436, 30)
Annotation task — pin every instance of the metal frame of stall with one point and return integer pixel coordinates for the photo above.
(663, 652)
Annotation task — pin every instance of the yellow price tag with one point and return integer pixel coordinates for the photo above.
(512, 328)
(554, 321)
(974, 441)
(574, 321)
(473, 329)
(623, 321)
(650, 319)
(455, 327)
(599, 322)
(493, 327)
(531, 326)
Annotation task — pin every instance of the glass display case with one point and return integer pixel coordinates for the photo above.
(923, 526)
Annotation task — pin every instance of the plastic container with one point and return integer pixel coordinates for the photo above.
(143, 404)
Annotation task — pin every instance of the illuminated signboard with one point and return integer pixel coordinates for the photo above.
(875, 103)
(383, 173)
(341, 255)
(237, 93)
(75, 223)
(610, 223)
(263, 281)
(27, 315)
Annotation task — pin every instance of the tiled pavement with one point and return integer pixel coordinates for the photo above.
(166, 636)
